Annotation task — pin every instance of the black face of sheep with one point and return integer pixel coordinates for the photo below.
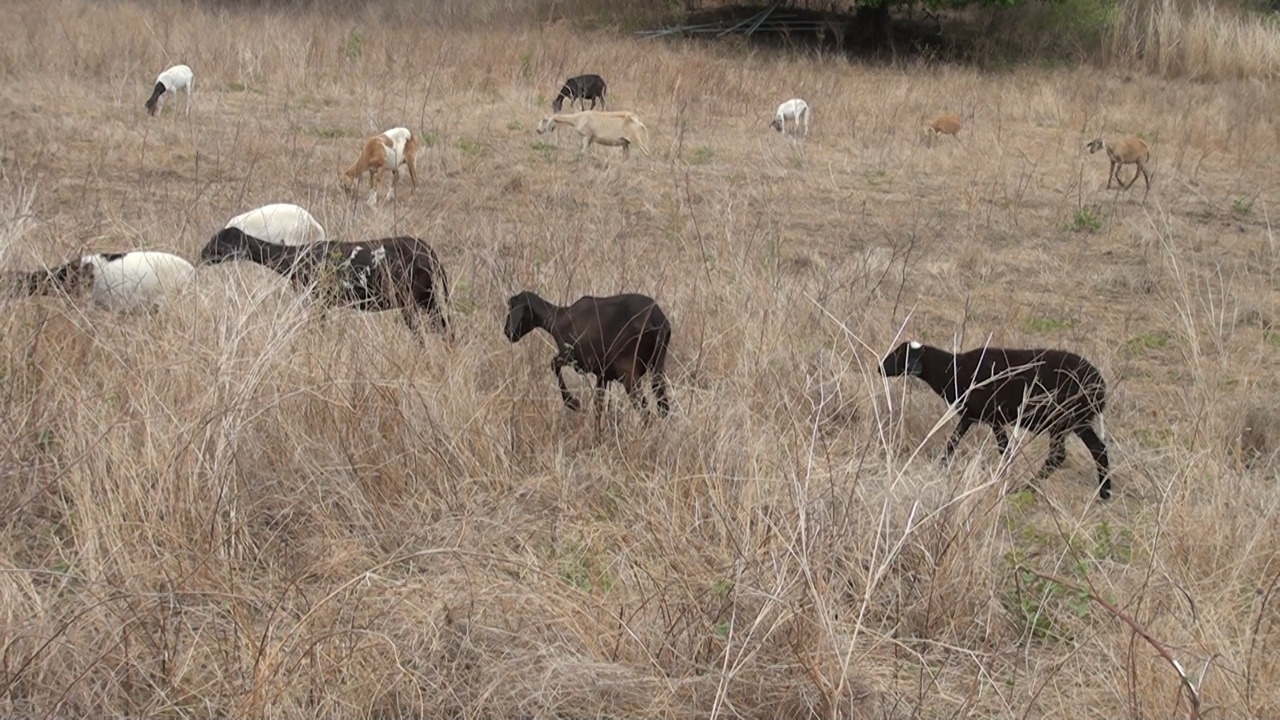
(520, 316)
(581, 88)
(904, 360)
(152, 103)
(1043, 391)
(618, 338)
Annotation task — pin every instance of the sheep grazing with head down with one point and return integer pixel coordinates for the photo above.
(130, 281)
(945, 124)
(612, 129)
(394, 151)
(385, 274)
(620, 337)
(282, 223)
(794, 109)
(169, 82)
(581, 88)
(1044, 391)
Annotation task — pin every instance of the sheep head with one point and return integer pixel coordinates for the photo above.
(1096, 144)
(776, 124)
(904, 360)
(546, 125)
(520, 320)
(229, 244)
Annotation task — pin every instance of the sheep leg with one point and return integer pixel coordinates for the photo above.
(410, 314)
(1002, 438)
(1057, 455)
(956, 435)
(557, 364)
(586, 145)
(659, 381)
(1098, 449)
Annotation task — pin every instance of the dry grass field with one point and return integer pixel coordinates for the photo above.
(236, 508)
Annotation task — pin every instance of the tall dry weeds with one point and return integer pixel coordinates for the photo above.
(1194, 40)
(234, 507)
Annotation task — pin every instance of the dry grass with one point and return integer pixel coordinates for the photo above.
(1196, 40)
(234, 509)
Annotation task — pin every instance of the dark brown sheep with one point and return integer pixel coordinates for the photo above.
(581, 88)
(1051, 391)
(385, 274)
(622, 337)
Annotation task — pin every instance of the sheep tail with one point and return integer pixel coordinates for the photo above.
(1102, 427)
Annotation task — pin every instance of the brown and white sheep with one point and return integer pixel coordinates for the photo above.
(394, 150)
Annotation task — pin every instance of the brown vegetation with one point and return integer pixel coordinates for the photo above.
(235, 507)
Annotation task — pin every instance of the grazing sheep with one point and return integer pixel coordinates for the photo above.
(385, 274)
(1129, 151)
(614, 129)
(394, 150)
(620, 337)
(581, 88)
(137, 280)
(1051, 391)
(946, 124)
(178, 77)
(280, 223)
(794, 109)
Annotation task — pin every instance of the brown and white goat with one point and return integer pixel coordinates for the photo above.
(394, 151)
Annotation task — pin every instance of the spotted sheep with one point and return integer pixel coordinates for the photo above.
(169, 82)
(619, 338)
(394, 151)
(1043, 391)
(128, 281)
(581, 88)
(384, 274)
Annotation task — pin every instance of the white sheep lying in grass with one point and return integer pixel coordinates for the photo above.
(137, 280)
(615, 129)
(281, 223)
(793, 109)
(178, 77)
(395, 150)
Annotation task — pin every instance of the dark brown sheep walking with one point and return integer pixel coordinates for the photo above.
(1051, 391)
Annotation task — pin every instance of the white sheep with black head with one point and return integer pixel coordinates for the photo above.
(137, 280)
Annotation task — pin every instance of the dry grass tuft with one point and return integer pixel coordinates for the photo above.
(236, 508)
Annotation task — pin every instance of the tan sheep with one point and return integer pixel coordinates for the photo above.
(618, 128)
(946, 124)
(1129, 151)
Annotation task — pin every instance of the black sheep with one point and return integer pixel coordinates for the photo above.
(1051, 391)
(385, 274)
(581, 88)
(621, 337)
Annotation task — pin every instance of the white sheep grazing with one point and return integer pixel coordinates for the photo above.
(281, 223)
(395, 150)
(137, 280)
(793, 109)
(178, 77)
(618, 128)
